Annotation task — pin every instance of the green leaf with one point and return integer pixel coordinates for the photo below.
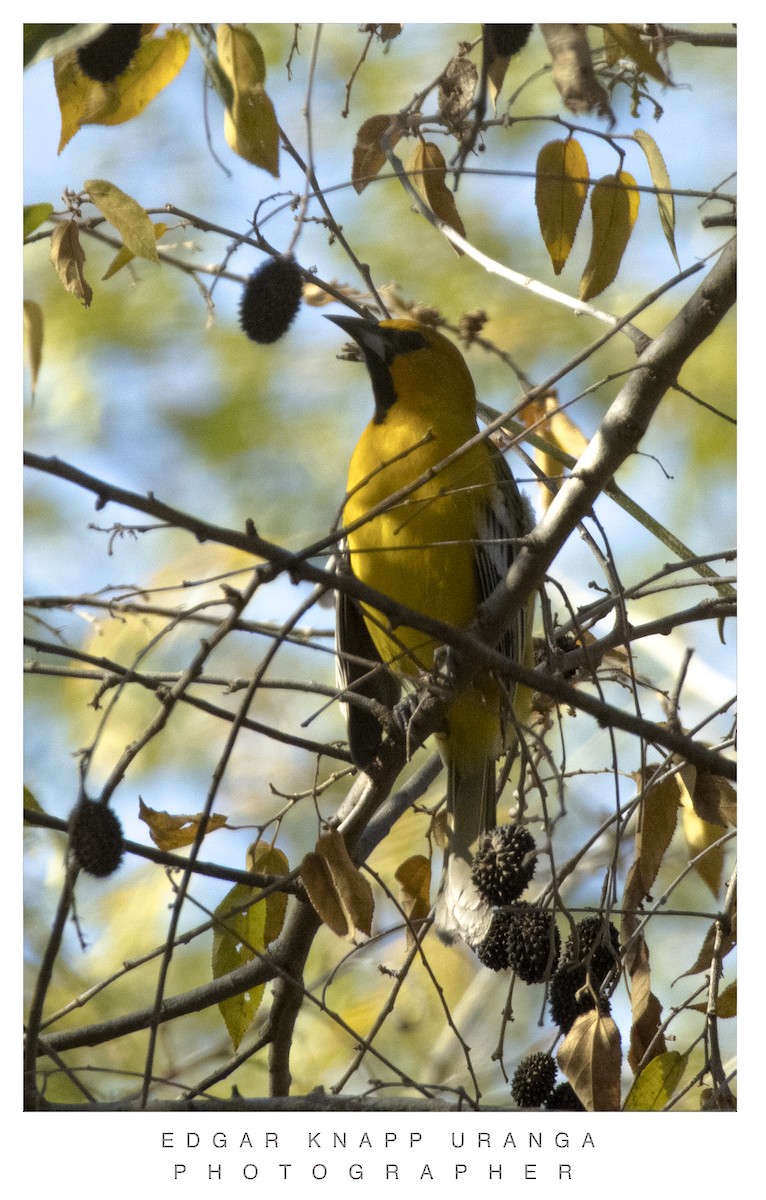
(31, 802)
(131, 221)
(660, 179)
(656, 1084)
(236, 940)
(34, 215)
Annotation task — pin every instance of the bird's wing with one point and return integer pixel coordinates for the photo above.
(503, 517)
(360, 669)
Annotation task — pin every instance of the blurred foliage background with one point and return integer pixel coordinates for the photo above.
(152, 389)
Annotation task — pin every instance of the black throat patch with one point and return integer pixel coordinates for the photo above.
(378, 358)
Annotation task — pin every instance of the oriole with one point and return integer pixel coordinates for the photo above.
(440, 551)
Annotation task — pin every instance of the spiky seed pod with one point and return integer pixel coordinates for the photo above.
(568, 996)
(109, 54)
(564, 1098)
(591, 948)
(533, 942)
(95, 838)
(504, 863)
(506, 40)
(271, 299)
(533, 1080)
(493, 951)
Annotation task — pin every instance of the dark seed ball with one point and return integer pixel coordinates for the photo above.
(533, 1080)
(95, 836)
(506, 40)
(493, 951)
(564, 1098)
(109, 54)
(533, 942)
(504, 863)
(599, 947)
(271, 299)
(569, 997)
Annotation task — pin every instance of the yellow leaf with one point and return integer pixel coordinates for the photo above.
(701, 837)
(336, 888)
(726, 1005)
(263, 859)
(68, 257)
(250, 125)
(622, 41)
(429, 171)
(33, 339)
(590, 1057)
(614, 207)
(369, 156)
(171, 831)
(560, 191)
(237, 937)
(131, 221)
(84, 101)
(547, 420)
(661, 179)
(656, 1084)
(124, 256)
(727, 1002)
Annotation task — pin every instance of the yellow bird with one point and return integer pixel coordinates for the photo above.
(441, 551)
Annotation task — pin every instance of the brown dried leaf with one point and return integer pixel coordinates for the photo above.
(429, 171)
(440, 829)
(68, 257)
(715, 800)
(614, 205)
(369, 156)
(646, 1009)
(414, 878)
(318, 883)
(656, 826)
(728, 942)
(456, 90)
(573, 71)
(336, 888)
(590, 1057)
(171, 831)
(560, 193)
(622, 41)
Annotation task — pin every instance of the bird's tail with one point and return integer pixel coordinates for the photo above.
(461, 912)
